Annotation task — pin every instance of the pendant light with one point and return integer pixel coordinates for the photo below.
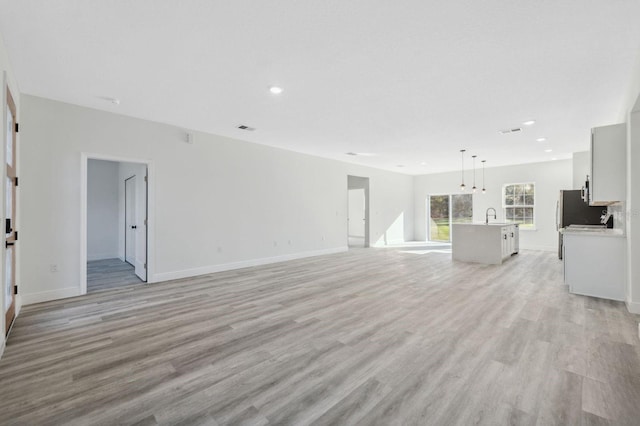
(462, 186)
(474, 173)
(484, 191)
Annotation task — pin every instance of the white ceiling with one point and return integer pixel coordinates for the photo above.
(412, 81)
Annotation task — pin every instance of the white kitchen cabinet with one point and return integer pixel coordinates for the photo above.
(594, 264)
(608, 164)
(481, 243)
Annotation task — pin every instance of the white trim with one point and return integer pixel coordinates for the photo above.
(84, 159)
(2, 346)
(186, 273)
(396, 241)
(633, 307)
(541, 248)
(46, 296)
(18, 304)
(101, 256)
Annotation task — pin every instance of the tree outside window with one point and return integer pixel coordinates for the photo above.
(519, 204)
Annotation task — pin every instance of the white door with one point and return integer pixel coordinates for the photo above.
(356, 217)
(141, 229)
(130, 225)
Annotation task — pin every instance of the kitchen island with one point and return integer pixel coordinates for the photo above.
(491, 243)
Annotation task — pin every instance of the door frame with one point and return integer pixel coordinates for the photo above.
(9, 108)
(151, 217)
(367, 224)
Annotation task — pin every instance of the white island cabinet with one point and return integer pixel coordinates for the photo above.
(491, 243)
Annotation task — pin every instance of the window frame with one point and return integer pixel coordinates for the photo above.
(525, 227)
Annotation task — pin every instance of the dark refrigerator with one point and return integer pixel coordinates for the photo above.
(572, 210)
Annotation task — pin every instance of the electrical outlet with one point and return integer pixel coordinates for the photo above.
(53, 268)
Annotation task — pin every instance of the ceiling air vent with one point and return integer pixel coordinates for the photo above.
(507, 131)
(243, 127)
(352, 153)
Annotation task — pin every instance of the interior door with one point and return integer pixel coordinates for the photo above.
(11, 234)
(141, 238)
(356, 218)
(130, 225)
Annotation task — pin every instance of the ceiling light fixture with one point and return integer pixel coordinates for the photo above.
(541, 139)
(474, 173)
(275, 90)
(462, 186)
(529, 122)
(554, 158)
(548, 150)
(484, 191)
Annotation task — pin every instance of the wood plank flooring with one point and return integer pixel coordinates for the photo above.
(369, 337)
(107, 274)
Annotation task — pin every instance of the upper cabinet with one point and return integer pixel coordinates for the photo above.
(608, 165)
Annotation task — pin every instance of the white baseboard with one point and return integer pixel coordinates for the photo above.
(540, 248)
(18, 303)
(45, 296)
(186, 273)
(101, 256)
(396, 241)
(633, 307)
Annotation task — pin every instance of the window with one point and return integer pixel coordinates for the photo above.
(518, 202)
(445, 210)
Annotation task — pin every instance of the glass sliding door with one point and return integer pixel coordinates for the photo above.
(439, 218)
(445, 210)
(461, 208)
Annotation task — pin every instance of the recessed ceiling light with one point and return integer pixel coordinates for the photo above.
(529, 122)
(554, 158)
(424, 163)
(548, 150)
(275, 90)
(541, 139)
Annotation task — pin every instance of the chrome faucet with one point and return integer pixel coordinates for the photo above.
(495, 215)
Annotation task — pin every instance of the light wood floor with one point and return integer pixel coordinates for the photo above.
(372, 336)
(107, 274)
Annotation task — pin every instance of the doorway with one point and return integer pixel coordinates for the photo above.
(358, 211)
(116, 224)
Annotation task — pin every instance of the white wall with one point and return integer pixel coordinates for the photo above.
(581, 168)
(549, 177)
(102, 210)
(7, 79)
(219, 203)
